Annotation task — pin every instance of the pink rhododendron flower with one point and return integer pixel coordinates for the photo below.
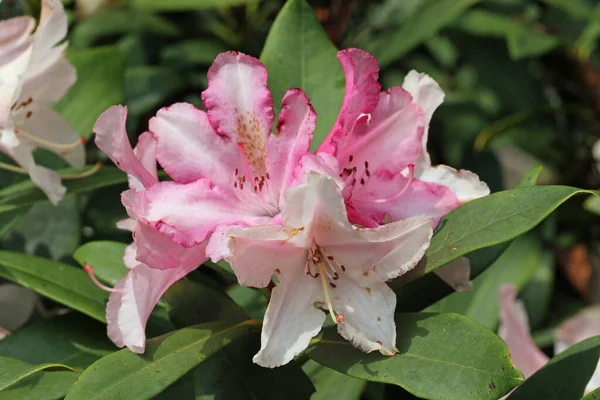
(34, 74)
(380, 142)
(133, 298)
(514, 329)
(228, 169)
(323, 263)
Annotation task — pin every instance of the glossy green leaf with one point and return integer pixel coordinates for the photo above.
(231, 374)
(424, 25)
(105, 257)
(73, 339)
(25, 193)
(594, 395)
(13, 370)
(60, 282)
(298, 54)
(491, 220)
(41, 386)
(185, 5)
(563, 377)
(167, 358)
(52, 231)
(331, 384)
(440, 356)
(531, 177)
(99, 85)
(516, 265)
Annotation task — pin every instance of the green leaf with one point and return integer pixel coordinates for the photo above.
(49, 230)
(192, 303)
(440, 356)
(105, 257)
(42, 386)
(424, 25)
(192, 53)
(149, 86)
(13, 370)
(25, 193)
(231, 374)
(185, 5)
(331, 384)
(517, 265)
(60, 282)
(563, 377)
(525, 41)
(298, 54)
(99, 85)
(111, 21)
(531, 177)
(537, 295)
(167, 358)
(594, 395)
(491, 220)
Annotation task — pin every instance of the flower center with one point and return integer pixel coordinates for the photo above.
(325, 263)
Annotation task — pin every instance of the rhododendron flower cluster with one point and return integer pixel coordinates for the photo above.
(34, 74)
(326, 229)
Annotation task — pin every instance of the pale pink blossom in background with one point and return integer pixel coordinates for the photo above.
(380, 142)
(325, 264)
(514, 329)
(34, 74)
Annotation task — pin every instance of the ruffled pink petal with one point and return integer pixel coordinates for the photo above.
(240, 107)
(111, 138)
(296, 126)
(514, 329)
(190, 149)
(395, 197)
(129, 256)
(188, 213)
(387, 143)
(130, 306)
(160, 252)
(145, 151)
(360, 97)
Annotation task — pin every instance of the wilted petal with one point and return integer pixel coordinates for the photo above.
(360, 98)
(514, 329)
(111, 138)
(47, 124)
(190, 149)
(583, 325)
(367, 305)
(292, 318)
(240, 107)
(130, 306)
(284, 151)
(457, 274)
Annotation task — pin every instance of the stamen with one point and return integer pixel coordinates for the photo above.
(335, 318)
(245, 166)
(411, 169)
(88, 269)
(47, 143)
(13, 168)
(84, 174)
